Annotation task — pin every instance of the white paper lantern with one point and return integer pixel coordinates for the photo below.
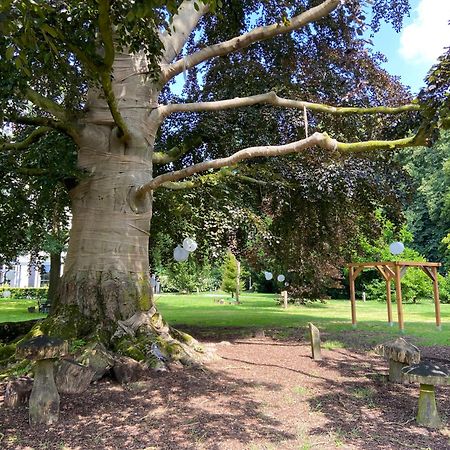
(281, 278)
(189, 244)
(268, 275)
(396, 248)
(6, 294)
(180, 254)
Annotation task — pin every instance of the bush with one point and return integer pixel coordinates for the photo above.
(188, 276)
(24, 293)
(444, 288)
(416, 285)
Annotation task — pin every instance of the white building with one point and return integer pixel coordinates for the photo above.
(23, 275)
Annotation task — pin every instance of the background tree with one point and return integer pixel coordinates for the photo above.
(97, 74)
(231, 281)
(429, 212)
(34, 204)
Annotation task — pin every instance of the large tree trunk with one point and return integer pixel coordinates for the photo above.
(106, 274)
(105, 291)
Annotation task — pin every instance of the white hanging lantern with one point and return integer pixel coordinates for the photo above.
(6, 294)
(396, 248)
(180, 254)
(268, 275)
(281, 278)
(189, 244)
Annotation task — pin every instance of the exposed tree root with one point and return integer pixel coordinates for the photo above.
(144, 337)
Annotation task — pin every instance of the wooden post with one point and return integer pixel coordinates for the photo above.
(314, 335)
(238, 280)
(437, 305)
(351, 278)
(398, 291)
(285, 299)
(389, 301)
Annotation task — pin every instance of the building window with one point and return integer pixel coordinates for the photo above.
(45, 274)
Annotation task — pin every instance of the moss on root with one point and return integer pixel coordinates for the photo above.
(134, 342)
(6, 351)
(17, 369)
(68, 324)
(131, 347)
(145, 300)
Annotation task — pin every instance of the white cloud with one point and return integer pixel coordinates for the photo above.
(425, 38)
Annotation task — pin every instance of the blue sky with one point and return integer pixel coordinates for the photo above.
(422, 39)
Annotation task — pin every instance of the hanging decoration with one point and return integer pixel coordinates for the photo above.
(396, 248)
(180, 254)
(189, 244)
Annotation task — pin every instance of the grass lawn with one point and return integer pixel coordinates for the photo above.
(261, 311)
(16, 310)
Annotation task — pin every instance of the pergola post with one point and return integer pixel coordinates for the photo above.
(398, 291)
(394, 270)
(389, 301)
(351, 278)
(437, 305)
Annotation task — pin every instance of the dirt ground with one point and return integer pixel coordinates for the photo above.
(265, 392)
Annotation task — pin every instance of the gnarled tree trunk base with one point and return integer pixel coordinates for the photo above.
(145, 337)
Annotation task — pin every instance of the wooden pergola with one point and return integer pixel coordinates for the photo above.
(395, 270)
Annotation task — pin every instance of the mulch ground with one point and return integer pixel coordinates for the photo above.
(263, 393)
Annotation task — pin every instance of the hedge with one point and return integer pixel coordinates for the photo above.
(24, 293)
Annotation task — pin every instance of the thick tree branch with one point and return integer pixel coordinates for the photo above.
(243, 41)
(46, 104)
(359, 147)
(30, 171)
(180, 185)
(106, 33)
(172, 155)
(248, 153)
(321, 140)
(175, 153)
(68, 128)
(105, 78)
(182, 26)
(30, 139)
(271, 98)
(223, 173)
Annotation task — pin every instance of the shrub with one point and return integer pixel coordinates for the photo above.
(416, 285)
(188, 276)
(24, 293)
(444, 288)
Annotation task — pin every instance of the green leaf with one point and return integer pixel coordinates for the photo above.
(9, 53)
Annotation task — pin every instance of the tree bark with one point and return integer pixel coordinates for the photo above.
(54, 276)
(106, 274)
(106, 271)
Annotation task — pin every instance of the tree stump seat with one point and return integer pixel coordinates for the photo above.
(400, 353)
(428, 375)
(44, 398)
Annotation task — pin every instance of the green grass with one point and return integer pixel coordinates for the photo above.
(261, 311)
(16, 310)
